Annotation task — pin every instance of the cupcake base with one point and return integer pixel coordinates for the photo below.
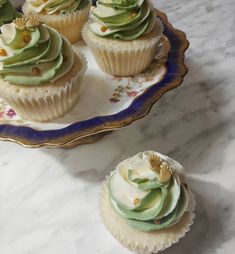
(47, 101)
(123, 58)
(143, 242)
(69, 25)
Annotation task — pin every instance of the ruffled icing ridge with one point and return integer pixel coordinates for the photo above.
(149, 192)
(124, 20)
(32, 53)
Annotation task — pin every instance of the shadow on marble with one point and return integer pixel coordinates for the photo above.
(185, 124)
(204, 123)
(211, 228)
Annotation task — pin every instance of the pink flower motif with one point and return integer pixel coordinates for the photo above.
(114, 100)
(11, 113)
(1, 114)
(132, 93)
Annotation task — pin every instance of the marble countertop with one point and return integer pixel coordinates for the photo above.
(49, 197)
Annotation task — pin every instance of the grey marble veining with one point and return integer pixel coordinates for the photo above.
(49, 197)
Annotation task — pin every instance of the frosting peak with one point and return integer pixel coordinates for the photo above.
(147, 190)
(32, 53)
(122, 19)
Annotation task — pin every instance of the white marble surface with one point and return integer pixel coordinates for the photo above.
(49, 197)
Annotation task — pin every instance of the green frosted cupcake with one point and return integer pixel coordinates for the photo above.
(146, 203)
(123, 35)
(66, 16)
(7, 12)
(40, 73)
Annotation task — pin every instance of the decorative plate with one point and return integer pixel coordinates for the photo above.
(106, 102)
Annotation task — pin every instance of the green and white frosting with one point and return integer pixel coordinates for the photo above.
(7, 12)
(122, 19)
(56, 6)
(148, 192)
(32, 53)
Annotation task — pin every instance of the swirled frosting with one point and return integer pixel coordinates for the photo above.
(56, 6)
(148, 192)
(32, 53)
(7, 12)
(122, 19)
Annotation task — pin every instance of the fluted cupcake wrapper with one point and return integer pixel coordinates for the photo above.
(68, 24)
(143, 242)
(123, 58)
(49, 101)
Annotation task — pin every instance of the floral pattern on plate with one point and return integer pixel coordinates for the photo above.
(106, 103)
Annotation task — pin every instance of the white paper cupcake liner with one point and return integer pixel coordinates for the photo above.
(123, 58)
(68, 24)
(143, 242)
(47, 101)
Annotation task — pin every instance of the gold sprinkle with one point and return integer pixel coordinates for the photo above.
(27, 38)
(103, 29)
(3, 52)
(133, 14)
(136, 201)
(36, 71)
(158, 221)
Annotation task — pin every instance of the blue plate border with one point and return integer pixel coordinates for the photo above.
(87, 131)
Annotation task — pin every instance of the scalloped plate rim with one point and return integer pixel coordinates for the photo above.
(65, 140)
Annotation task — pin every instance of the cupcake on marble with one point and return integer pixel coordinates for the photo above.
(66, 16)
(40, 72)
(7, 12)
(123, 36)
(146, 203)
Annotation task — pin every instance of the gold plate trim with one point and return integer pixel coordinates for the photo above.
(95, 134)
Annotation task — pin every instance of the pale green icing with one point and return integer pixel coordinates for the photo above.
(44, 57)
(7, 12)
(156, 206)
(2, 2)
(51, 7)
(122, 19)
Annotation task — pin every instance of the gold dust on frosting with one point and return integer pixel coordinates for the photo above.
(136, 201)
(103, 29)
(133, 14)
(158, 221)
(36, 71)
(3, 52)
(27, 38)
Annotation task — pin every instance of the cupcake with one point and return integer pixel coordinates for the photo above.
(7, 12)
(40, 73)
(67, 17)
(146, 203)
(123, 35)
